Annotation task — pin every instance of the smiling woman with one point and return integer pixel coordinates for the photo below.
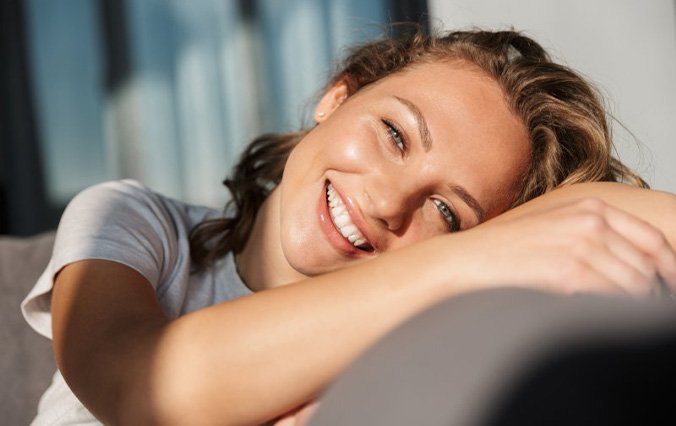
(167, 313)
(396, 188)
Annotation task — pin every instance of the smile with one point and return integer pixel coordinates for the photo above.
(342, 221)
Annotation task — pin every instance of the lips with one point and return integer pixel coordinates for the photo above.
(341, 219)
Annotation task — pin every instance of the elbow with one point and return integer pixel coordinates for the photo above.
(155, 401)
(171, 386)
(175, 408)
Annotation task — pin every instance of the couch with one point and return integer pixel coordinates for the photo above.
(26, 360)
(516, 357)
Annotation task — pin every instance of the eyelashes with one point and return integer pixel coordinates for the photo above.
(399, 141)
(448, 215)
(396, 136)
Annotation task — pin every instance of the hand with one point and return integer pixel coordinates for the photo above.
(299, 416)
(583, 246)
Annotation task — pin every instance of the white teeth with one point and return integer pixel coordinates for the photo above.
(339, 210)
(348, 230)
(342, 219)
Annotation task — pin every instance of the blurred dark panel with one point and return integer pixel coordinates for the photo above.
(113, 17)
(23, 206)
(410, 11)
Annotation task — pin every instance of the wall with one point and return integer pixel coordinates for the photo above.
(627, 48)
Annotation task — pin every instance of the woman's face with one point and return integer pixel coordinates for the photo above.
(426, 151)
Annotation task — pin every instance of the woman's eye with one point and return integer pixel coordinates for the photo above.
(447, 214)
(395, 136)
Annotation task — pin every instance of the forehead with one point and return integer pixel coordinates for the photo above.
(452, 86)
(475, 132)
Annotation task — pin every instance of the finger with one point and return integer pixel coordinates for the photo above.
(649, 239)
(619, 273)
(590, 279)
(641, 268)
(581, 270)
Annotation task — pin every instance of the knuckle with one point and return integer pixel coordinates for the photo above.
(593, 204)
(592, 222)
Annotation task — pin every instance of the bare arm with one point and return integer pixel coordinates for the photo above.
(241, 362)
(245, 361)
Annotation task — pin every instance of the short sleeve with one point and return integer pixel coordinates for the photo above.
(118, 221)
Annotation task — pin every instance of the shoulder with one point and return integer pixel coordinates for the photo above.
(127, 222)
(133, 201)
(127, 194)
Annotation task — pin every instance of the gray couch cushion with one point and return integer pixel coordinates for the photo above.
(26, 361)
(515, 357)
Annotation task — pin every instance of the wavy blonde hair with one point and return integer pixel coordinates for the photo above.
(566, 120)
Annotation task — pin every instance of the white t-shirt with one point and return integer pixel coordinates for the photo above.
(127, 223)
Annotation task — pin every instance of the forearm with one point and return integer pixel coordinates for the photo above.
(253, 358)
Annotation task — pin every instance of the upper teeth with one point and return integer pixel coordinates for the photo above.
(342, 220)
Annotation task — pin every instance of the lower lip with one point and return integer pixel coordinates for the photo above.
(336, 239)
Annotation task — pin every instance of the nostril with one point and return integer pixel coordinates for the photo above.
(387, 207)
(394, 223)
(387, 212)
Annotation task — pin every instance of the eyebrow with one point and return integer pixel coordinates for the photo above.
(470, 201)
(420, 122)
(426, 139)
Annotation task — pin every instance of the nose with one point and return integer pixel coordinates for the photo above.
(392, 204)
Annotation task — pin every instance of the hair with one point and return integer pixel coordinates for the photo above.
(564, 114)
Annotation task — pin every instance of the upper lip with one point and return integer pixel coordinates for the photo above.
(355, 215)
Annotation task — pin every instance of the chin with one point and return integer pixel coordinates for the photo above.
(307, 259)
(310, 266)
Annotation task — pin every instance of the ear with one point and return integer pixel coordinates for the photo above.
(331, 100)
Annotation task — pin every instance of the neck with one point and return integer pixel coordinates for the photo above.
(262, 264)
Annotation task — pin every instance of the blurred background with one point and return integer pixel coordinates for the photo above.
(169, 91)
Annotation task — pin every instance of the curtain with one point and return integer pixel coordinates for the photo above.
(204, 78)
(66, 68)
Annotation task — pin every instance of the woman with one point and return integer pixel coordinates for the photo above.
(341, 232)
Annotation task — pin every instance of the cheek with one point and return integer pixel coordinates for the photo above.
(425, 223)
(353, 157)
(352, 150)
